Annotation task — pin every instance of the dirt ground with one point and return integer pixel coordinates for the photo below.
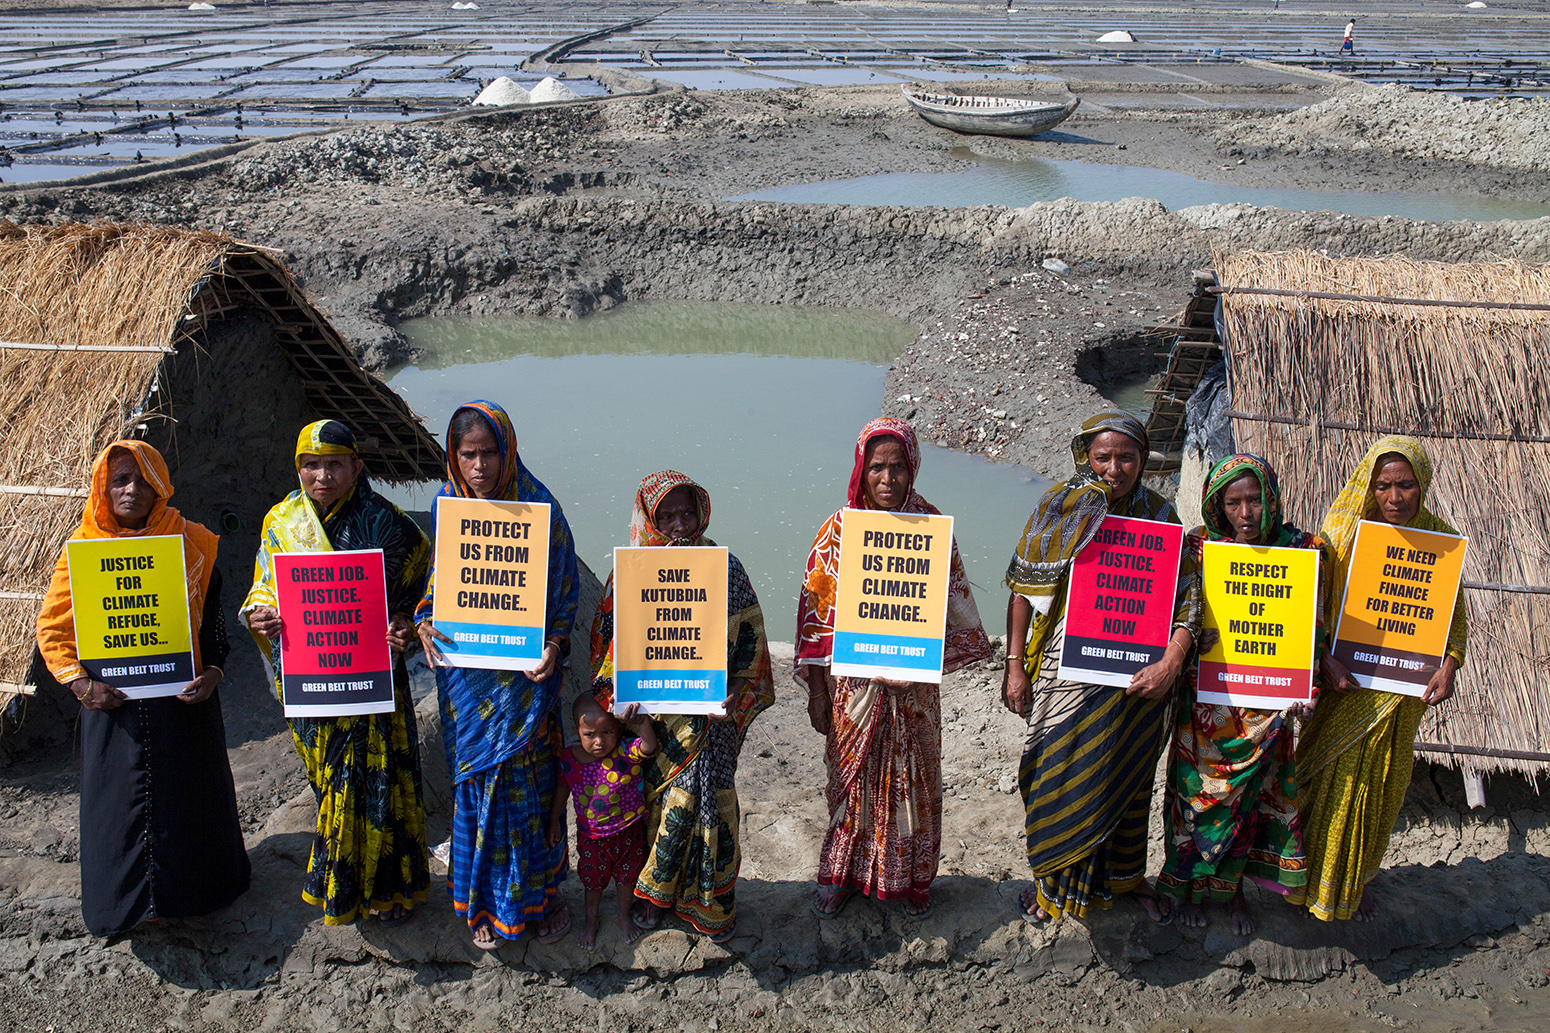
(569, 210)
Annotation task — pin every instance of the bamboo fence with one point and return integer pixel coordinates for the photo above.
(1326, 355)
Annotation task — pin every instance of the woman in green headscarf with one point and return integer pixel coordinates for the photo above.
(1088, 765)
(1355, 755)
(1231, 800)
(369, 853)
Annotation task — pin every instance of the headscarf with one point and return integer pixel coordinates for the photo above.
(884, 427)
(964, 640)
(489, 716)
(653, 489)
(505, 440)
(748, 655)
(1356, 502)
(1273, 529)
(56, 621)
(360, 519)
(1069, 515)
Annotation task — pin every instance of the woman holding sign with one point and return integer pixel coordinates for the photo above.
(500, 727)
(369, 853)
(884, 749)
(173, 746)
(1231, 806)
(692, 830)
(1355, 755)
(1087, 768)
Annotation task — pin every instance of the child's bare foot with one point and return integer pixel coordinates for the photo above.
(628, 929)
(587, 938)
(1192, 915)
(1243, 923)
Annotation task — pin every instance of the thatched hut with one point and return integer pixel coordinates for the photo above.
(203, 345)
(1325, 355)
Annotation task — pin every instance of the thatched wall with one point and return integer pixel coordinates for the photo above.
(1473, 383)
(105, 334)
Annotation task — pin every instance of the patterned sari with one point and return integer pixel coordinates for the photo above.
(1231, 801)
(692, 844)
(1356, 753)
(369, 853)
(502, 735)
(1091, 753)
(884, 748)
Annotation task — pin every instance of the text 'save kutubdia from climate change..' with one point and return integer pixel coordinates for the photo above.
(1120, 597)
(492, 582)
(890, 600)
(129, 598)
(1398, 605)
(1263, 604)
(670, 629)
(334, 657)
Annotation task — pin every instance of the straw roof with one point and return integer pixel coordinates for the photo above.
(1454, 355)
(88, 314)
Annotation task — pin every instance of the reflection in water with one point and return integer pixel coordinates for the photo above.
(748, 411)
(1017, 184)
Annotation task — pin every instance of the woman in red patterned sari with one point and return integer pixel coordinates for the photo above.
(884, 747)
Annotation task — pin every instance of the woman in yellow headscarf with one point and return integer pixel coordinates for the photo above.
(369, 854)
(1356, 753)
(184, 855)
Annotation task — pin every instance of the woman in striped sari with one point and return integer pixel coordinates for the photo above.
(1355, 755)
(692, 831)
(1088, 764)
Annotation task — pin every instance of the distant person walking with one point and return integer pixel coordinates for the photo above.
(1347, 45)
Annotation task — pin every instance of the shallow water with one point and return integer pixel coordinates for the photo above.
(761, 404)
(1020, 183)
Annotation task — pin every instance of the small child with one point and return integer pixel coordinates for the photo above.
(606, 782)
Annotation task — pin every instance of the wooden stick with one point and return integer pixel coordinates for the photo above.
(1481, 751)
(1516, 306)
(85, 347)
(1538, 439)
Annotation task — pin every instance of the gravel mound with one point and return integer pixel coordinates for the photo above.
(1505, 133)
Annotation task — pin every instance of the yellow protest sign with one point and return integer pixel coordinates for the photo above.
(1398, 605)
(492, 582)
(130, 600)
(1263, 605)
(890, 608)
(670, 629)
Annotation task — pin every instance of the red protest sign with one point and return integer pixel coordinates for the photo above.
(1120, 601)
(334, 657)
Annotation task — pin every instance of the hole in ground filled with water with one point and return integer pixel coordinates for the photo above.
(1019, 183)
(1124, 369)
(759, 403)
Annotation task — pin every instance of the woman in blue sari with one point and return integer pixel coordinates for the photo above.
(500, 727)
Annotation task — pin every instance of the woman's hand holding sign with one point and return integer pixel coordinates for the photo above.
(1154, 680)
(266, 621)
(96, 695)
(428, 637)
(1440, 687)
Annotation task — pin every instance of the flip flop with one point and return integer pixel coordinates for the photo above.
(638, 913)
(930, 907)
(830, 895)
(1032, 917)
(726, 935)
(554, 935)
(1167, 916)
(493, 945)
(396, 915)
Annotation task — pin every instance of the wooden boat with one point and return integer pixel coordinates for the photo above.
(992, 116)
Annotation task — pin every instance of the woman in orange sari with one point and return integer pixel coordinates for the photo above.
(183, 856)
(884, 747)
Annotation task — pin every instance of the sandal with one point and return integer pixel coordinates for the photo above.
(554, 934)
(646, 915)
(491, 944)
(1158, 900)
(726, 935)
(396, 915)
(922, 913)
(835, 897)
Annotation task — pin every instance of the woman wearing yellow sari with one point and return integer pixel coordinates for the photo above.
(369, 854)
(1355, 755)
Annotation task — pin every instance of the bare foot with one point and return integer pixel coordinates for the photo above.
(629, 930)
(587, 938)
(918, 909)
(1367, 910)
(484, 937)
(1243, 923)
(1028, 900)
(1192, 915)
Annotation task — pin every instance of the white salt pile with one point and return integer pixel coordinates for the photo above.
(465, 7)
(201, 7)
(1477, 6)
(552, 89)
(501, 92)
(1117, 36)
